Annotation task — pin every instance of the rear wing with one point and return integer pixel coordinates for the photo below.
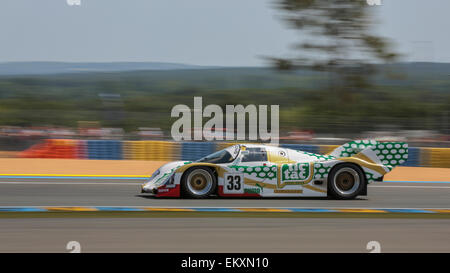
(389, 154)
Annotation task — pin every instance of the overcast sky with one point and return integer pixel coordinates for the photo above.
(203, 32)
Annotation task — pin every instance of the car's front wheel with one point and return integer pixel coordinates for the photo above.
(199, 182)
(346, 181)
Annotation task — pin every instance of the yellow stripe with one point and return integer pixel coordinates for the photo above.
(362, 210)
(375, 167)
(365, 158)
(288, 191)
(327, 149)
(252, 182)
(441, 210)
(275, 158)
(70, 209)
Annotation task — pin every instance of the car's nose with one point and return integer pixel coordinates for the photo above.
(145, 188)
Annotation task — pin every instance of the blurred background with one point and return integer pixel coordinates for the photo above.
(112, 71)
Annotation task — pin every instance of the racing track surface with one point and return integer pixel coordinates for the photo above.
(217, 234)
(224, 234)
(126, 192)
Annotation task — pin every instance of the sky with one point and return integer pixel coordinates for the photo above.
(201, 32)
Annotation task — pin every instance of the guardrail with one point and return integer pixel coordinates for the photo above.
(168, 150)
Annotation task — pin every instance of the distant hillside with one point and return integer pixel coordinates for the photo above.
(42, 68)
(405, 95)
(166, 77)
(215, 77)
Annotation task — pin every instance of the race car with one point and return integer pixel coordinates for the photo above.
(252, 170)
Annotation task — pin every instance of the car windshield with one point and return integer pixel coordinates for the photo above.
(219, 157)
(156, 173)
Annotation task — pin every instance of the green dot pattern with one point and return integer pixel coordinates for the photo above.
(370, 177)
(354, 147)
(321, 171)
(390, 154)
(269, 172)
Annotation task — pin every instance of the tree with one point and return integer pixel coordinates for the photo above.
(337, 38)
(334, 33)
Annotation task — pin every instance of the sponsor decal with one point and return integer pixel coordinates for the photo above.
(252, 190)
(295, 173)
(288, 191)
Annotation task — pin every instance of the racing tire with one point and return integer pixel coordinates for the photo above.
(346, 181)
(198, 182)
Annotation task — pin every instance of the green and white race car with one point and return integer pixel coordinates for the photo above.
(252, 170)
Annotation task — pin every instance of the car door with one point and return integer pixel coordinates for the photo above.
(251, 173)
(290, 173)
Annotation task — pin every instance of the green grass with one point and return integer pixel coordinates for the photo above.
(201, 214)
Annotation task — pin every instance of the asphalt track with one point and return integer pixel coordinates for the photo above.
(216, 234)
(126, 192)
(224, 235)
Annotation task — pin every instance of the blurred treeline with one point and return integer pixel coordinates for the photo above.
(401, 96)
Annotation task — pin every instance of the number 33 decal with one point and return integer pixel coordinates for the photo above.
(233, 183)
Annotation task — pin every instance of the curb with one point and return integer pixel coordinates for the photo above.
(221, 209)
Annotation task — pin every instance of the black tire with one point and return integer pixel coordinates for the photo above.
(346, 181)
(198, 182)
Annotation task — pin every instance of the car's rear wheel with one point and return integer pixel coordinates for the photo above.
(199, 182)
(346, 181)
